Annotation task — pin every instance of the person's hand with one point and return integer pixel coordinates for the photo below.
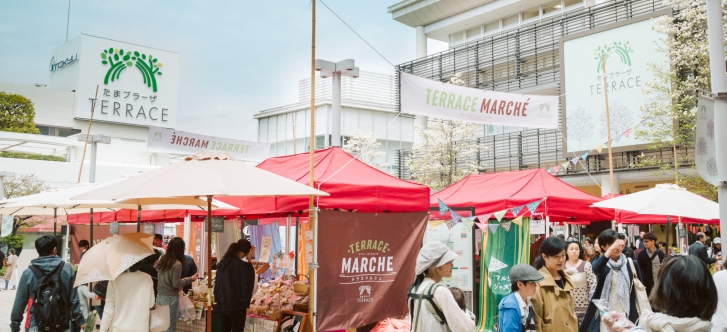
(195, 276)
(83, 327)
(98, 298)
(615, 248)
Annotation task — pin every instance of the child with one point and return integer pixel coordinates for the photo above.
(459, 298)
(513, 315)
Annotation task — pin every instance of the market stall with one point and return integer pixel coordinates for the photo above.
(507, 208)
(365, 204)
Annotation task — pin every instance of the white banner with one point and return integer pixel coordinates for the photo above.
(705, 155)
(182, 142)
(447, 101)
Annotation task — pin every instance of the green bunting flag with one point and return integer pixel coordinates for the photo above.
(565, 165)
(499, 215)
(442, 207)
(469, 222)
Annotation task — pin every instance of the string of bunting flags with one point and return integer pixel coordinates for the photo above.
(584, 156)
(482, 221)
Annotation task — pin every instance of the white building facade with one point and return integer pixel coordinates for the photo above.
(368, 105)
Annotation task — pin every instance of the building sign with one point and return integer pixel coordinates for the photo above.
(181, 142)
(705, 153)
(628, 51)
(366, 267)
(60, 63)
(446, 101)
(136, 85)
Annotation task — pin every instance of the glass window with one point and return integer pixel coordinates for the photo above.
(65, 132)
(531, 13)
(262, 132)
(569, 3)
(456, 38)
(281, 133)
(320, 143)
(512, 20)
(492, 27)
(272, 128)
(551, 7)
(474, 33)
(43, 130)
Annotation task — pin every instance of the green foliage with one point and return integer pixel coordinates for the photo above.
(3, 271)
(13, 241)
(17, 114)
(21, 155)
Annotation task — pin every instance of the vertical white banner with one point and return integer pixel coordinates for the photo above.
(705, 155)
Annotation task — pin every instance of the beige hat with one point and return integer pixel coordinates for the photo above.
(433, 254)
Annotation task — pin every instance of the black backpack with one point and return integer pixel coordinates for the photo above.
(50, 307)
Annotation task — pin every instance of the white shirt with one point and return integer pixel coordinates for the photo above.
(524, 307)
(457, 319)
(719, 319)
(128, 300)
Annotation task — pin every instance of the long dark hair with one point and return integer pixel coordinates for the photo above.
(242, 245)
(581, 254)
(175, 252)
(550, 247)
(680, 291)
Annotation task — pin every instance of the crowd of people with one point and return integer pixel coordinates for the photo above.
(124, 304)
(572, 285)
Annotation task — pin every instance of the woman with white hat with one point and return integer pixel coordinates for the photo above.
(433, 308)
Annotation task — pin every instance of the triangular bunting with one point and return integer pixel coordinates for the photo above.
(499, 215)
(574, 160)
(518, 221)
(549, 170)
(516, 210)
(584, 156)
(484, 217)
(617, 138)
(627, 133)
(433, 224)
(456, 218)
(599, 148)
(495, 265)
(449, 223)
(533, 206)
(469, 222)
(493, 227)
(565, 164)
(442, 207)
(556, 169)
(481, 225)
(506, 225)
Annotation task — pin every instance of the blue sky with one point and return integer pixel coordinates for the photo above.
(236, 57)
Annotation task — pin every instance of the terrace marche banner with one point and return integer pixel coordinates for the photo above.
(171, 140)
(367, 262)
(447, 101)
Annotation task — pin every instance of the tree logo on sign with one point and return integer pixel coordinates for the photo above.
(622, 48)
(120, 60)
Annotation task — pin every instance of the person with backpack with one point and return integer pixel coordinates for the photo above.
(432, 307)
(48, 283)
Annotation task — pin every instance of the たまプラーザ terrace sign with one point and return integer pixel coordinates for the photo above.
(447, 101)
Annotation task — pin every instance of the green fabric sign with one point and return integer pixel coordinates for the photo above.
(502, 250)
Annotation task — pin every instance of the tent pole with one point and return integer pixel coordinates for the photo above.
(668, 226)
(55, 220)
(90, 218)
(311, 207)
(209, 260)
(138, 219)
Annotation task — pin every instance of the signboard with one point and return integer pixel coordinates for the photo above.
(178, 141)
(137, 85)
(7, 225)
(705, 155)
(537, 226)
(114, 228)
(149, 228)
(218, 224)
(629, 49)
(447, 101)
(366, 267)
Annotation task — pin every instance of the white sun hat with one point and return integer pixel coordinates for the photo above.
(433, 254)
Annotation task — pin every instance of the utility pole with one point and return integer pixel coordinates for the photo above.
(312, 215)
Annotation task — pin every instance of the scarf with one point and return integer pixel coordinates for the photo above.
(623, 284)
(655, 322)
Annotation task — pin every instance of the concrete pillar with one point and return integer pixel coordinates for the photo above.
(606, 184)
(336, 110)
(421, 52)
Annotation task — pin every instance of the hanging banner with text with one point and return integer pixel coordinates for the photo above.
(181, 142)
(447, 101)
(365, 266)
(705, 152)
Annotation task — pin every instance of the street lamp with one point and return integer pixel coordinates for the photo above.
(94, 140)
(336, 70)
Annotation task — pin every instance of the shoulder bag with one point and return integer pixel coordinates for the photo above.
(642, 299)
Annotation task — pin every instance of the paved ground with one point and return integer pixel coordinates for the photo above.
(7, 297)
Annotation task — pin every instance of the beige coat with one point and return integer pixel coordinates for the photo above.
(12, 259)
(554, 307)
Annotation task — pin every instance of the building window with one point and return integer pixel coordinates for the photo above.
(569, 3)
(492, 27)
(511, 20)
(57, 131)
(474, 33)
(551, 7)
(531, 13)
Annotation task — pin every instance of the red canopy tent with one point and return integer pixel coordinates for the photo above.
(492, 192)
(129, 216)
(352, 185)
(626, 217)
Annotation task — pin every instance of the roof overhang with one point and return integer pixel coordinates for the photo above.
(36, 144)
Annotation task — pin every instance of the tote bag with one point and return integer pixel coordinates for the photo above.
(159, 318)
(642, 299)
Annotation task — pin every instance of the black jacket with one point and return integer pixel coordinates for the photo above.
(234, 284)
(601, 270)
(645, 264)
(700, 250)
